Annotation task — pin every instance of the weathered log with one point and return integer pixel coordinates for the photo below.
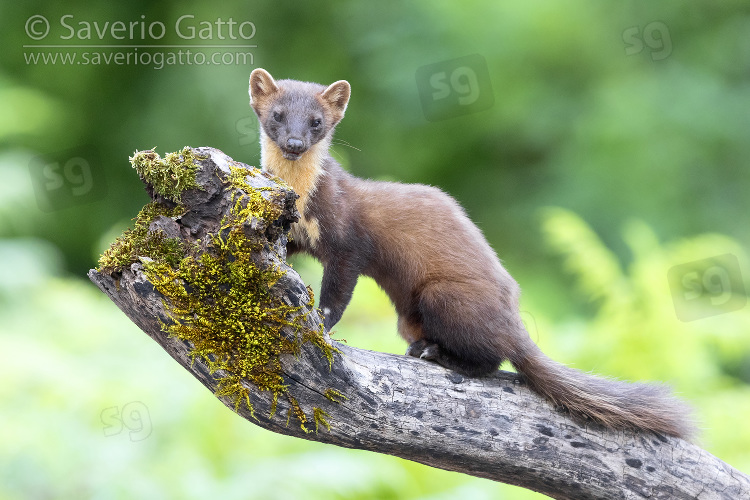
(492, 427)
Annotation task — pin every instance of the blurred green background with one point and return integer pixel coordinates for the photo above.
(605, 159)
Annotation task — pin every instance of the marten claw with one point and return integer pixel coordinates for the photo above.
(431, 352)
(416, 349)
(424, 350)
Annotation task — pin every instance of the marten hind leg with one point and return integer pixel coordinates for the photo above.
(457, 333)
(411, 331)
(430, 351)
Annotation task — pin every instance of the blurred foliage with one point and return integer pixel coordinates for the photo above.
(631, 117)
(633, 332)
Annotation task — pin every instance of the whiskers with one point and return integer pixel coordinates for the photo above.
(341, 142)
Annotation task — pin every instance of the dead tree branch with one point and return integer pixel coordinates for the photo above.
(492, 427)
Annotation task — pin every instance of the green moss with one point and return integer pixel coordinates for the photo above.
(248, 201)
(139, 242)
(238, 176)
(335, 396)
(218, 300)
(169, 176)
(320, 418)
(221, 304)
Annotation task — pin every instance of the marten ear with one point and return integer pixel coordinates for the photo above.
(262, 86)
(336, 97)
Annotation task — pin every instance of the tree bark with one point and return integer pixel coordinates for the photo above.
(492, 427)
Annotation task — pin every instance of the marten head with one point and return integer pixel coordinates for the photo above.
(297, 115)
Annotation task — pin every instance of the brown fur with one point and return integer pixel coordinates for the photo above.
(456, 303)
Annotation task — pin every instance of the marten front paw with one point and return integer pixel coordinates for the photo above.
(325, 313)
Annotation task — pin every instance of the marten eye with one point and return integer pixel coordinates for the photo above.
(315, 122)
(278, 116)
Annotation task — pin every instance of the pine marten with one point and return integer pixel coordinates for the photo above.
(456, 303)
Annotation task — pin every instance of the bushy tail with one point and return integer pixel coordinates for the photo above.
(615, 404)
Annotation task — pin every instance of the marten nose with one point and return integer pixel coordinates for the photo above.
(295, 145)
